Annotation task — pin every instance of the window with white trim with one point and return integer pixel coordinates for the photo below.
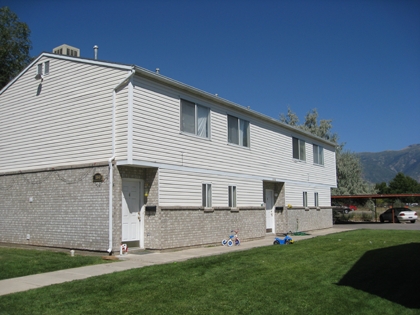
(43, 68)
(299, 151)
(318, 154)
(238, 131)
(206, 195)
(316, 199)
(46, 67)
(232, 196)
(195, 119)
(39, 71)
(305, 199)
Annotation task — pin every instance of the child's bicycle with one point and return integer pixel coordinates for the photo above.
(286, 240)
(233, 239)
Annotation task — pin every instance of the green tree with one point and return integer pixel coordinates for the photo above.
(402, 184)
(382, 188)
(290, 119)
(14, 45)
(349, 169)
(350, 175)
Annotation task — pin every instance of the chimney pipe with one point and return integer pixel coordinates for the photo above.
(95, 49)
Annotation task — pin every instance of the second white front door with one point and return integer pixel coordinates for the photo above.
(269, 212)
(132, 200)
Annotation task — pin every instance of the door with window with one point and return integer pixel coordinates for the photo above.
(269, 209)
(132, 201)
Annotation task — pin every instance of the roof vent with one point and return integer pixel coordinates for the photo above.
(157, 70)
(67, 50)
(95, 50)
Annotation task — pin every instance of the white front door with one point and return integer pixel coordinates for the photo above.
(132, 201)
(269, 212)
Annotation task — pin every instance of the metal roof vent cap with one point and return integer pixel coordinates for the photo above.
(95, 49)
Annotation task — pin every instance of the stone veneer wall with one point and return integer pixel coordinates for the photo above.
(63, 207)
(305, 220)
(59, 207)
(182, 227)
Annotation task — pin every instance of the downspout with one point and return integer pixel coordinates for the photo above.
(112, 158)
(111, 184)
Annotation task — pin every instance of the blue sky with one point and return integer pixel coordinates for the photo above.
(356, 62)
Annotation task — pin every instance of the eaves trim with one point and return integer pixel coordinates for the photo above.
(182, 86)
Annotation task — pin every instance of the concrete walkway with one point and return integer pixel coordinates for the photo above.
(131, 261)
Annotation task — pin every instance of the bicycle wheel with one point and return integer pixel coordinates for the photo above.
(230, 243)
(224, 242)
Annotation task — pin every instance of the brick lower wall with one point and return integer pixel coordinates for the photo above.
(178, 227)
(65, 208)
(305, 220)
(57, 208)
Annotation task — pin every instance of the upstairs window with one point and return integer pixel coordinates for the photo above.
(318, 154)
(238, 131)
(299, 151)
(232, 196)
(46, 67)
(195, 119)
(43, 68)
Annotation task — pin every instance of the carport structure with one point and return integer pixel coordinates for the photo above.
(374, 197)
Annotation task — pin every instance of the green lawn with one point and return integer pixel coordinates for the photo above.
(22, 262)
(347, 273)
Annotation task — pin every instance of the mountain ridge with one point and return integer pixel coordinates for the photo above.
(383, 166)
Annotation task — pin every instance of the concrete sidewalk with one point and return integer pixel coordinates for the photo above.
(131, 261)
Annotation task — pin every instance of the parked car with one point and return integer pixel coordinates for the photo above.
(339, 212)
(346, 210)
(352, 207)
(398, 215)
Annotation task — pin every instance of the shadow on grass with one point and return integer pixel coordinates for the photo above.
(391, 273)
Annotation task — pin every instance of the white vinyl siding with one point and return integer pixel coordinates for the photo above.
(69, 122)
(294, 195)
(179, 188)
(157, 140)
(121, 126)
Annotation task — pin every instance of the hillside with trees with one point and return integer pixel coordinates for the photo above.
(383, 166)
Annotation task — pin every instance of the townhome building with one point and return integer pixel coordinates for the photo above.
(96, 153)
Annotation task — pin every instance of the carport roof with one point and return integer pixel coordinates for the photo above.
(374, 196)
